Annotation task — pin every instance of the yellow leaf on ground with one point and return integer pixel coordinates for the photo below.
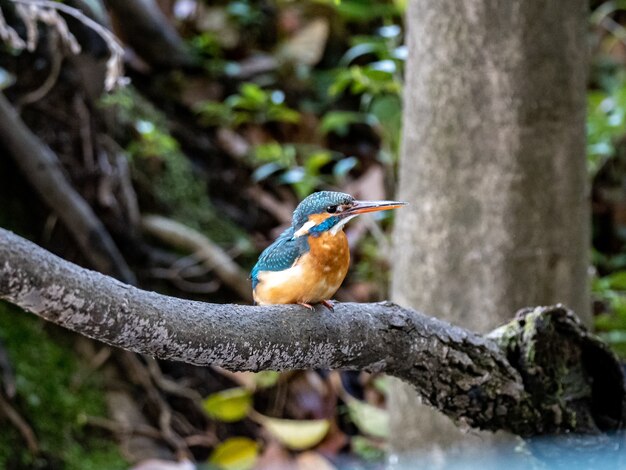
(236, 453)
(296, 434)
(228, 405)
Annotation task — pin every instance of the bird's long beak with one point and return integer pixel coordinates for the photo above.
(361, 207)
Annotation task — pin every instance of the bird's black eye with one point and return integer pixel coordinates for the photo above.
(331, 209)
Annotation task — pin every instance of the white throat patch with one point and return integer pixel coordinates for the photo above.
(304, 230)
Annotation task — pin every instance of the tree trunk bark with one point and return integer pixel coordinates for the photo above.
(493, 165)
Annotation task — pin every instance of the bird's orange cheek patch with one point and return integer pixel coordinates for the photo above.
(318, 218)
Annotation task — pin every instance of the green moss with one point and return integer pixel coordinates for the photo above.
(55, 391)
(162, 171)
(530, 329)
(506, 335)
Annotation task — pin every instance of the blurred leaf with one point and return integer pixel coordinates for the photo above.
(235, 453)
(365, 79)
(610, 322)
(294, 175)
(6, 78)
(207, 44)
(274, 152)
(381, 383)
(359, 50)
(280, 113)
(316, 160)
(605, 9)
(400, 53)
(266, 170)
(606, 121)
(343, 167)
(387, 66)
(228, 405)
(266, 378)
(370, 419)
(340, 83)
(390, 31)
(251, 96)
(401, 6)
(614, 281)
(251, 104)
(339, 121)
(213, 113)
(296, 434)
(307, 45)
(253, 380)
(362, 11)
(388, 112)
(366, 448)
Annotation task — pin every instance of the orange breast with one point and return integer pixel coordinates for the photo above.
(316, 275)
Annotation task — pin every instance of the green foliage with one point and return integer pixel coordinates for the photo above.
(164, 171)
(381, 60)
(372, 79)
(339, 122)
(300, 166)
(611, 325)
(207, 45)
(251, 105)
(55, 391)
(367, 448)
(377, 80)
(606, 128)
(606, 122)
(363, 11)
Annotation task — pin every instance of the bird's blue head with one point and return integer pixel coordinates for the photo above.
(330, 211)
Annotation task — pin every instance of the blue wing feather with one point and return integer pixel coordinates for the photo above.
(280, 255)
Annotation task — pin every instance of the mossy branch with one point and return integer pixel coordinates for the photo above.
(541, 374)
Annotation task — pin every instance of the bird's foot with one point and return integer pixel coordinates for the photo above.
(329, 304)
(309, 306)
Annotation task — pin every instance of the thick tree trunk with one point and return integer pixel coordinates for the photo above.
(493, 166)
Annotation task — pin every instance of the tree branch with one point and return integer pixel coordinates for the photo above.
(149, 32)
(470, 378)
(208, 253)
(43, 170)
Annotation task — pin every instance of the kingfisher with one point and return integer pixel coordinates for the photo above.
(308, 262)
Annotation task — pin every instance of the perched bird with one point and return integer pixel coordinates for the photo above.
(308, 262)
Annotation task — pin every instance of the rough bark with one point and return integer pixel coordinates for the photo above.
(511, 380)
(493, 167)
